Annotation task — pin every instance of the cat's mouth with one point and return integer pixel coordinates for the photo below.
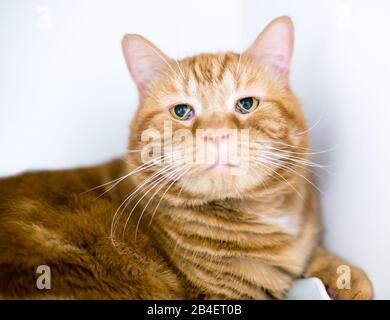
(219, 167)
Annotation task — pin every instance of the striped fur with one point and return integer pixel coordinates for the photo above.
(200, 236)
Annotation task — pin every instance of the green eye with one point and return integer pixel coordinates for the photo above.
(247, 105)
(182, 112)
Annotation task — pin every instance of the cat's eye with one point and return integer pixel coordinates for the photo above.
(182, 111)
(247, 105)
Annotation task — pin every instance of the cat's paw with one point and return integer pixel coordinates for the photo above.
(347, 283)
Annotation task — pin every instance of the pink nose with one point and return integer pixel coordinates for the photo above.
(216, 135)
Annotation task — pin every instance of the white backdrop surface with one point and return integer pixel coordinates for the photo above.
(66, 97)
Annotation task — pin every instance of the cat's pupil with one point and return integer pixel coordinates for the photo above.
(246, 103)
(181, 110)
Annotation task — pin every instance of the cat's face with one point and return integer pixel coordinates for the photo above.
(216, 125)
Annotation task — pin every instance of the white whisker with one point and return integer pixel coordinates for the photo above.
(127, 200)
(271, 161)
(147, 165)
(312, 127)
(263, 165)
(165, 192)
(163, 178)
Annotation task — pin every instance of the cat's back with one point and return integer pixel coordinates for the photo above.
(53, 218)
(54, 199)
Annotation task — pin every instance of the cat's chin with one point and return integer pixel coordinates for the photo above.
(220, 182)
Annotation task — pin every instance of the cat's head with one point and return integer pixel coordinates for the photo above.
(216, 126)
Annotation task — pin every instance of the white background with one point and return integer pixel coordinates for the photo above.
(66, 97)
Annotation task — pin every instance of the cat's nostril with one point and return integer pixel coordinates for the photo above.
(217, 135)
(216, 139)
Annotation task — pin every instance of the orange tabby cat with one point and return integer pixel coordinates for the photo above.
(170, 227)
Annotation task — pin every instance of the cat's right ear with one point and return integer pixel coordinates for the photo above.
(145, 61)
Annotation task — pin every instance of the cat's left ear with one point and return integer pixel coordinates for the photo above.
(274, 46)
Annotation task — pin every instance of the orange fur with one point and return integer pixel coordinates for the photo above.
(201, 235)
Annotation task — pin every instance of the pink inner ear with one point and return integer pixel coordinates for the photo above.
(280, 61)
(145, 61)
(274, 45)
(145, 68)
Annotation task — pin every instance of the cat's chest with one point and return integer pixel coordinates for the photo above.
(279, 257)
(277, 215)
(284, 221)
